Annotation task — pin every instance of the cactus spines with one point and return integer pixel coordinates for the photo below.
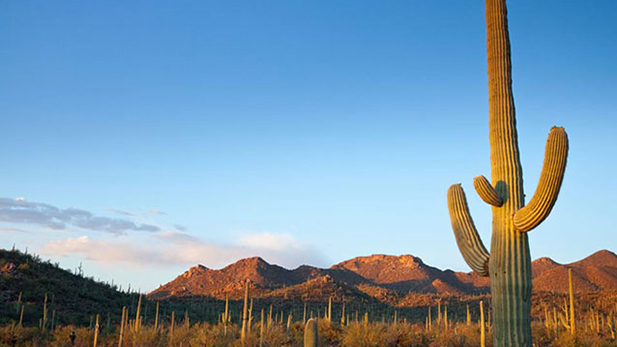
(310, 333)
(486, 191)
(509, 263)
(553, 169)
(465, 232)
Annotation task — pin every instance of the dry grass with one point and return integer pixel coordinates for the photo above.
(356, 334)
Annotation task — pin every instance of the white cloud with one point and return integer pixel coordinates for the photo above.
(104, 252)
(269, 241)
(173, 248)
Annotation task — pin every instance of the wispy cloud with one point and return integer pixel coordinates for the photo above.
(157, 212)
(9, 230)
(180, 227)
(177, 248)
(120, 212)
(46, 215)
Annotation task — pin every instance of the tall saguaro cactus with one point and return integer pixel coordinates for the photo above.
(509, 262)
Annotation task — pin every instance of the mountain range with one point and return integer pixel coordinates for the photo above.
(384, 278)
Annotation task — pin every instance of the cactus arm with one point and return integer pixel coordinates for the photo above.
(465, 232)
(486, 191)
(542, 202)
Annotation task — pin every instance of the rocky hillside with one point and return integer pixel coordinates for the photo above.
(383, 278)
(26, 280)
(596, 273)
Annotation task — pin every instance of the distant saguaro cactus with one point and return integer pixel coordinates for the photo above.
(310, 333)
(509, 263)
(244, 330)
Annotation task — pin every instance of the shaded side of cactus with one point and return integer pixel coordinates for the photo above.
(509, 262)
(310, 333)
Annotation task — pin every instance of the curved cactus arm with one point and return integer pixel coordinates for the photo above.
(486, 191)
(542, 202)
(465, 232)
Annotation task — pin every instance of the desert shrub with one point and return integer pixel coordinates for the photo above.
(22, 336)
(83, 337)
(208, 335)
(275, 335)
(371, 335)
(145, 336)
(329, 333)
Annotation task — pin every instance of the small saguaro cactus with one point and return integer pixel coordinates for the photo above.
(509, 262)
(571, 292)
(310, 333)
(244, 331)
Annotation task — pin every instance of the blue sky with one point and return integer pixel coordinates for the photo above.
(301, 131)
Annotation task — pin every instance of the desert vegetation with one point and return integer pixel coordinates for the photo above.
(32, 318)
(593, 328)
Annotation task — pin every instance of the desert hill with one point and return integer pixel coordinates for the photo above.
(377, 281)
(382, 278)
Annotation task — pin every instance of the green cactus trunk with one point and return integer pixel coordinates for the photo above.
(509, 263)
